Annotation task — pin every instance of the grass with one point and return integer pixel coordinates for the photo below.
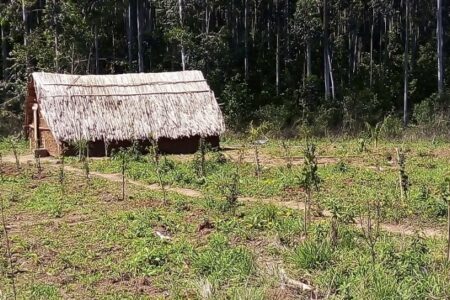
(88, 244)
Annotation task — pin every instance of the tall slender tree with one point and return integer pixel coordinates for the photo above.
(440, 42)
(406, 66)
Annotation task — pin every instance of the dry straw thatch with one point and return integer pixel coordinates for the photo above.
(128, 106)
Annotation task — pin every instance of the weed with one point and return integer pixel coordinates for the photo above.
(313, 254)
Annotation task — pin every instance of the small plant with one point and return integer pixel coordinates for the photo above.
(124, 157)
(61, 174)
(159, 168)
(200, 158)
(403, 177)
(81, 146)
(309, 180)
(14, 148)
(257, 138)
(229, 184)
(370, 225)
(375, 132)
(287, 154)
(37, 164)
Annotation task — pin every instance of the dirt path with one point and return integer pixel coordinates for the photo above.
(407, 230)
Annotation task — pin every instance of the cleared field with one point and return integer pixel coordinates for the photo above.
(78, 239)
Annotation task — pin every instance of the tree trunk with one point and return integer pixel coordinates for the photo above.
(56, 41)
(308, 58)
(139, 36)
(4, 52)
(130, 35)
(326, 72)
(371, 45)
(183, 56)
(246, 39)
(25, 31)
(97, 67)
(440, 55)
(277, 51)
(406, 66)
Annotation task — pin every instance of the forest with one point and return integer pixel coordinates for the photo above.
(325, 65)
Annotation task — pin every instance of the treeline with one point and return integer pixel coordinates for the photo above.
(326, 64)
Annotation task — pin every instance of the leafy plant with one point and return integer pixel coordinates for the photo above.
(403, 177)
(161, 169)
(309, 180)
(313, 254)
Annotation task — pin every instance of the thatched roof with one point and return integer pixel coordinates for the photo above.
(128, 106)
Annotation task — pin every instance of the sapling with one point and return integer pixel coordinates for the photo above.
(86, 166)
(13, 144)
(37, 163)
(255, 135)
(61, 174)
(370, 225)
(123, 155)
(403, 177)
(309, 180)
(287, 154)
(155, 160)
(200, 158)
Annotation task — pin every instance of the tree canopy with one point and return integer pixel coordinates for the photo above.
(339, 63)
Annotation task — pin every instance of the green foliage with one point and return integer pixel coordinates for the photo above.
(221, 262)
(312, 254)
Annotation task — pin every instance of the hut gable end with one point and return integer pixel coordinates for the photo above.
(128, 106)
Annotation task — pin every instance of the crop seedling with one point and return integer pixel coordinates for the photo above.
(229, 186)
(200, 158)
(309, 180)
(403, 177)
(124, 157)
(14, 148)
(81, 146)
(370, 225)
(287, 154)
(160, 170)
(37, 163)
(374, 132)
(256, 137)
(61, 174)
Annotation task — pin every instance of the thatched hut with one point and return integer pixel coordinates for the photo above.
(175, 108)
